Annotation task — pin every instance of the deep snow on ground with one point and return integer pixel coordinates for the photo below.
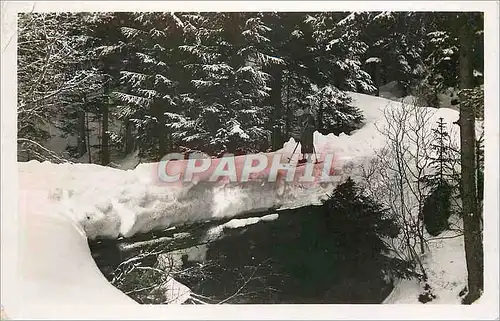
(447, 272)
(66, 203)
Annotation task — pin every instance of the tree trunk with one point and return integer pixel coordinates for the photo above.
(81, 145)
(161, 131)
(276, 103)
(288, 110)
(129, 141)
(104, 134)
(99, 139)
(471, 217)
(374, 68)
(320, 114)
(378, 80)
(87, 130)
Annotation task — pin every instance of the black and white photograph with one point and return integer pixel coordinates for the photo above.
(175, 154)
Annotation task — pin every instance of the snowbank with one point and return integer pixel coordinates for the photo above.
(236, 223)
(446, 269)
(63, 205)
(108, 202)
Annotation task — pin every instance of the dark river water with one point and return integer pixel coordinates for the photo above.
(293, 259)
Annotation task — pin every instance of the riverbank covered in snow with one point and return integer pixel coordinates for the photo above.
(446, 268)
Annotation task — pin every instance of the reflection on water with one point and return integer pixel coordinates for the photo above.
(295, 258)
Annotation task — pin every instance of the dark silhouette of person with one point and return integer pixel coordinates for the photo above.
(308, 125)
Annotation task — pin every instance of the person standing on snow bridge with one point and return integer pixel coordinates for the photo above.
(306, 128)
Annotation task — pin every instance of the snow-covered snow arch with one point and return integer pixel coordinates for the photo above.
(61, 206)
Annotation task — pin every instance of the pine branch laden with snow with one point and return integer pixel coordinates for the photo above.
(130, 33)
(401, 50)
(134, 100)
(35, 151)
(373, 60)
(147, 59)
(334, 112)
(343, 48)
(135, 79)
(106, 50)
(232, 92)
(155, 48)
(149, 84)
(257, 44)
